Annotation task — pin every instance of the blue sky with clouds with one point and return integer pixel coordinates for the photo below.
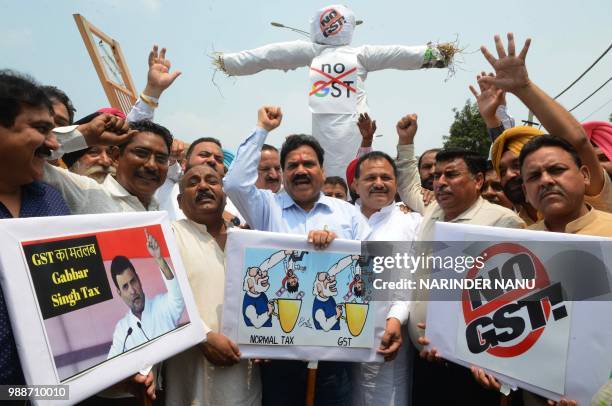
(41, 38)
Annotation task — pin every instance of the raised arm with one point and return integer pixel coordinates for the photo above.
(408, 180)
(378, 57)
(511, 76)
(159, 78)
(283, 55)
(80, 191)
(367, 129)
(239, 183)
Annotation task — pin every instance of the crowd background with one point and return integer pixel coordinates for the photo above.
(552, 167)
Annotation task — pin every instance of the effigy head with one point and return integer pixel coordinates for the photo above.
(332, 25)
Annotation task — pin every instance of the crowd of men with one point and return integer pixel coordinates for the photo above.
(109, 162)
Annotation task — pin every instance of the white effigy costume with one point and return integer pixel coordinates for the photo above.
(337, 74)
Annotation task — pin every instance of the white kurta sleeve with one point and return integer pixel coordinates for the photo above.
(78, 191)
(141, 111)
(377, 57)
(283, 55)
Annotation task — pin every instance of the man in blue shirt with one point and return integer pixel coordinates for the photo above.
(300, 208)
(26, 141)
(26, 120)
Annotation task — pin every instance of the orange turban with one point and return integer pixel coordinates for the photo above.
(513, 139)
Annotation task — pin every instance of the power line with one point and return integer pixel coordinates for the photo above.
(598, 109)
(585, 72)
(589, 96)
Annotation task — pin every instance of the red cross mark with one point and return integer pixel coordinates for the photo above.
(332, 79)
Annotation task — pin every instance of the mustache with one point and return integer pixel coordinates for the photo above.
(270, 179)
(300, 177)
(99, 169)
(443, 189)
(149, 173)
(204, 194)
(43, 151)
(554, 189)
(376, 189)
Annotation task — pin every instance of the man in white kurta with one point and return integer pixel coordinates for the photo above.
(376, 183)
(190, 377)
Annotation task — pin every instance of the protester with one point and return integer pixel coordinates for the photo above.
(511, 76)
(506, 163)
(555, 181)
(335, 186)
(26, 140)
(458, 180)
(97, 161)
(427, 167)
(212, 372)
(142, 163)
(269, 174)
(63, 110)
(388, 383)
(492, 189)
(26, 120)
(299, 209)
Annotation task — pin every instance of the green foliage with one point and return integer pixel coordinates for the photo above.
(468, 130)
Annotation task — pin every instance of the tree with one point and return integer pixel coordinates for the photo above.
(468, 130)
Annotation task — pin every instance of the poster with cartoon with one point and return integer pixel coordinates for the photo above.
(100, 300)
(548, 337)
(286, 300)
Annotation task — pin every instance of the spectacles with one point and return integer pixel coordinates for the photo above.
(144, 154)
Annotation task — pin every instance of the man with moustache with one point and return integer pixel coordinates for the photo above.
(458, 179)
(203, 151)
(554, 180)
(142, 163)
(300, 208)
(376, 184)
(511, 76)
(269, 170)
(96, 161)
(26, 140)
(212, 372)
(26, 121)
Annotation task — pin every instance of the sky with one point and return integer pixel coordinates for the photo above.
(41, 38)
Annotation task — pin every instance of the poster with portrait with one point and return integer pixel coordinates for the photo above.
(286, 300)
(545, 322)
(94, 299)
